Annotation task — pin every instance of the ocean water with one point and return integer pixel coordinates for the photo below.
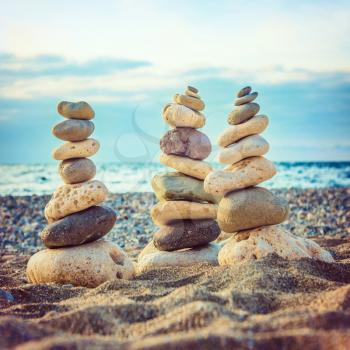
(24, 179)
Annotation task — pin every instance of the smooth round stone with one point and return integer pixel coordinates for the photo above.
(250, 208)
(75, 110)
(186, 142)
(186, 234)
(250, 146)
(261, 242)
(246, 99)
(76, 170)
(233, 133)
(192, 89)
(195, 168)
(151, 258)
(85, 226)
(88, 265)
(69, 199)
(190, 102)
(176, 186)
(248, 172)
(73, 130)
(79, 149)
(242, 113)
(192, 94)
(164, 213)
(180, 116)
(244, 91)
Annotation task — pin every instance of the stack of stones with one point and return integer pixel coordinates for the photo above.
(186, 213)
(248, 211)
(77, 222)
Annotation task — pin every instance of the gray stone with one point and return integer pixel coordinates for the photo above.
(186, 234)
(77, 170)
(78, 228)
(73, 130)
(244, 91)
(186, 142)
(250, 208)
(243, 113)
(175, 186)
(75, 110)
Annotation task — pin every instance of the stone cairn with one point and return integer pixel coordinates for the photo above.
(248, 212)
(186, 214)
(76, 253)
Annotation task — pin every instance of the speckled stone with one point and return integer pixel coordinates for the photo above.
(76, 170)
(75, 110)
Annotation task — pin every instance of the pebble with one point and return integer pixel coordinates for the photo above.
(190, 102)
(233, 133)
(76, 170)
(85, 226)
(250, 208)
(180, 116)
(151, 258)
(69, 199)
(244, 91)
(6, 297)
(246, 99)
(76, 110)
(79, 149)
(186, 142)
(175, 186)
(73, 130)
(164, 213)
(248, 172)
(195, 168)
(192, 94)
(186, 234)
(263, 241)
(88, 265)
(192, 89)
(250, 146)
(243, 113)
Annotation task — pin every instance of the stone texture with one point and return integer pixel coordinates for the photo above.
(250, 208)
(243, 113)
(73, 130)
(192, 94)
(175, 186)
(271, 239)
(250, 146)
(180, 116)
(192, 89)
(186, 142)
(246, 99)
(190, 102)
(195, 168)
(85, 226)
(248, 172)
(164, 213)
(79, 149)
(76, 170)
(186, 234)
(69, 199)
(75, 110)
(151, 258)
(88, 265)
(244, 91)
(233, 133)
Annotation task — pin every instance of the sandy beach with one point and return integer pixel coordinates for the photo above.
(267, 304)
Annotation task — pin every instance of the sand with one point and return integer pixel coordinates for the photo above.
(266, 304)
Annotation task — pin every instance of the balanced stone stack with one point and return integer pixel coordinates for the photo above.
(249, 211)
(77, 222)
(186, 213)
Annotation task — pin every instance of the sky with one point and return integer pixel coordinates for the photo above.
(128, 58)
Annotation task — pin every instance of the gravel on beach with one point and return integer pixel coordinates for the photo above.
(313, 212)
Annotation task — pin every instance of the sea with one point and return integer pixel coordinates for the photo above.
(39, 179)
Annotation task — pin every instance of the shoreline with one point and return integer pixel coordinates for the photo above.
(313, 212)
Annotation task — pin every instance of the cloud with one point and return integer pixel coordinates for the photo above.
(12, 66)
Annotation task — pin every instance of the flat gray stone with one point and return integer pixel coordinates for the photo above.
(77, 170)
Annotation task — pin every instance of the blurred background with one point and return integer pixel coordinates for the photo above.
(128, 58)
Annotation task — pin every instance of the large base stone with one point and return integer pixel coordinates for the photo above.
(258, 243)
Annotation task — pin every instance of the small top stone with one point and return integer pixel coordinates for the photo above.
(75, 110)
(192, 89)
(245, 91)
